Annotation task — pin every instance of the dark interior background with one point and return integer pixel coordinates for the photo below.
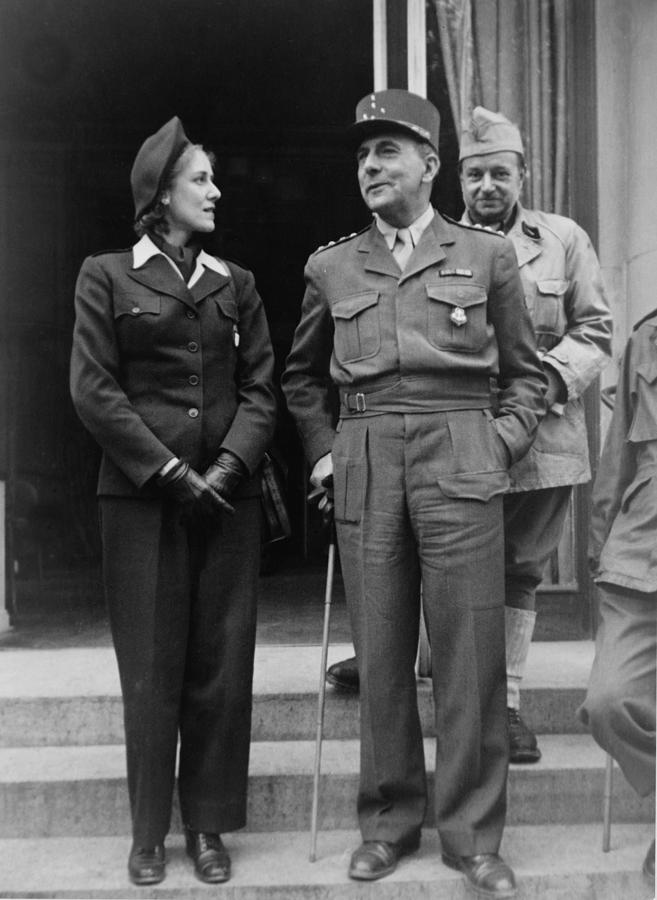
(269, 85)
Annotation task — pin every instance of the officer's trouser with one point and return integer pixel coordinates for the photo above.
(620, 702)
(416, 502)
(182, 606)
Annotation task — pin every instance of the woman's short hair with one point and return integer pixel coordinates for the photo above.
(154, 219)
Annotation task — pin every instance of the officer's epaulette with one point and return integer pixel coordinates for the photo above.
(341, 240)
(105, 252)
(471, 225)
(650, 315)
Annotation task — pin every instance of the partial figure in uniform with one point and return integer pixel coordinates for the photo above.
(620, 703)
(563, 290)
(171, 372)
(410, 320)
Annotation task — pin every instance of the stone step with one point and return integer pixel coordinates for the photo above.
(77, 790)
(61, 697)
(550, 862)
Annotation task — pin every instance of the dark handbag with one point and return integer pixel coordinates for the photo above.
(275, 519)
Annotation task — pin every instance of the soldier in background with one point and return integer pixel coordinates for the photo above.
(620, 702)
(564, 295)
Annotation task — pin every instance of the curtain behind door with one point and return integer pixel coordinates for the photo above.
(510, 56)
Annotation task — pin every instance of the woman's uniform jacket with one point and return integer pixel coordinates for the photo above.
(565, 297)
(623, 533)
(162, 369)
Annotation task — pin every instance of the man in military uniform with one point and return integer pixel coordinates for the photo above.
(620, 701)
(564, 294)
(411, 320)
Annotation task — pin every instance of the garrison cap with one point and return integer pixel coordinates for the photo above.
(400, 109)
(489, 132)
(153, 160)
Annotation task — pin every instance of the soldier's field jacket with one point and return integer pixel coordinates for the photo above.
(564, 294)
(430, 338)
(623, 533)
(160, 369)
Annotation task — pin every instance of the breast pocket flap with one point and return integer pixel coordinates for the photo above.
(136, 304)
(552, 286)
(349, 307)
(465, 295)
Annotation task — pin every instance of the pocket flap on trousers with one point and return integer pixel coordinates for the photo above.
(474, 485)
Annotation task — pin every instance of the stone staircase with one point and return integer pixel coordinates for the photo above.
(64, 822)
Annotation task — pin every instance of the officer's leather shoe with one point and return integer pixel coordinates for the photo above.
(649, 864)
(522, 742)
(344, 675)
(487, 874)
(375, 859)
(211, 859)
(146, 865)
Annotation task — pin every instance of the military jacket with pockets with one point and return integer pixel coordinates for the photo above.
(456, 313)
(623, 532)
(565, 296)
(160, 370)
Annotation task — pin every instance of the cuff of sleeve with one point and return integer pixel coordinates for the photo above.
(167, 466)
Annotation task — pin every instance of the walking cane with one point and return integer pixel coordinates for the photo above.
(330, 569)
(606, 807)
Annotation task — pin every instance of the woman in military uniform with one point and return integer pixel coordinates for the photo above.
(171, 372)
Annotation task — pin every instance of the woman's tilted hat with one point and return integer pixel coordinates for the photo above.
(489, 132)
(155, 156)
(400, 110)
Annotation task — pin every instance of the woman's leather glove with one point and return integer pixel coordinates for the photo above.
(225, 474)
(192, 492)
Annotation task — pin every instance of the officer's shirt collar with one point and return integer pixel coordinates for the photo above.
(503, 228)
(145, 249)
(416, 228)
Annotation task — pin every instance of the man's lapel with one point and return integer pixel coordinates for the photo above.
(379, 258)
(527, 247)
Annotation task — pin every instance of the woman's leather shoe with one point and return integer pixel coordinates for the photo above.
(487, 873)
(211, 859)
(146, 865)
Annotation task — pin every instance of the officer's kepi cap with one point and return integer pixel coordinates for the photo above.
(401, 110)
(153, 160)
(489, 132)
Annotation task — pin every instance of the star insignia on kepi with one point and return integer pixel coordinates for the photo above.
(458, 316)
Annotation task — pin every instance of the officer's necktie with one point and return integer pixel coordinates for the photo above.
(403, 247)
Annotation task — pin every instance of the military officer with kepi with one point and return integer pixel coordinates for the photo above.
(411, 319)
(563, 290)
